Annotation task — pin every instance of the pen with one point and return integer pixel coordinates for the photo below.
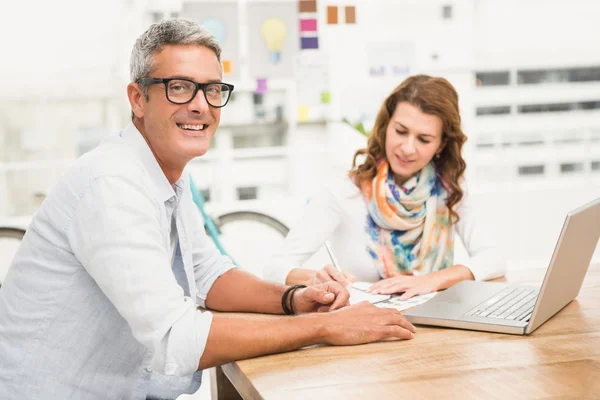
(333, 259)
(335, 262)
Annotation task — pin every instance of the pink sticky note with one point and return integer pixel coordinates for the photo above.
(308, 25)
(261, 86)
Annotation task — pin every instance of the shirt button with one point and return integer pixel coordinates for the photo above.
(148, 369)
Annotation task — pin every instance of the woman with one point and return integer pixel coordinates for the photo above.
(392, 219)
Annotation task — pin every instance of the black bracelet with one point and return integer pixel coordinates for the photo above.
(292, 297)
(289, 292)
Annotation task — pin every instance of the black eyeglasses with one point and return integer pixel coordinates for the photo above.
(182, 91)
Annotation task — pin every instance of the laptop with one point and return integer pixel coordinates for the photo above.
(520, 310)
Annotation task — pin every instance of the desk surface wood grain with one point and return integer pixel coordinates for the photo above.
(561, 359)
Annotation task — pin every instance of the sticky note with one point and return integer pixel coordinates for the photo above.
(350, 14)
(325, 97)
(261, 86)
(332, 15)
(307, 5)
(308, 25)
(302, 113)
(226, 66)
(309, 43)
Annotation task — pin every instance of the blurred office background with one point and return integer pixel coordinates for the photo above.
(527, 72)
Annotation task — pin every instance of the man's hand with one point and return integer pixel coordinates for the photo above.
(330, 273)
(326, 296)
(365, 323)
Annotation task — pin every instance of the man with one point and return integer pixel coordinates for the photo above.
(101, 299)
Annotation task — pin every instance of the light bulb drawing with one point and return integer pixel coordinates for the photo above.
(273, 32)
(216, 27)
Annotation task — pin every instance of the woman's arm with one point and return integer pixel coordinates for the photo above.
(486, 261)
(320, 219)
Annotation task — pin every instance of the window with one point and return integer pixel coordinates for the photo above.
(531, 142)
(447, 11)
(539, 108)
(492, 110)
(531, 170)
(589, 105)
(529, 139)
(596, 166)
(558, 75)
(566, 168)
(485, 141)
(584, 74)
(541, 76)
(498, 78)
(568, 137)
(559, 107)
(247, 193)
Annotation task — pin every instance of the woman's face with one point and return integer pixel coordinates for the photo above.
(412, 140)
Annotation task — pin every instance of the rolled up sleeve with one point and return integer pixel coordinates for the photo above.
(116, 234)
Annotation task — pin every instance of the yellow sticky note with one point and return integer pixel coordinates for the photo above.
(303, 113)
(226, 66)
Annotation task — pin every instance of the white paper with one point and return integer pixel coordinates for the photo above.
(359, 293)
(400, 305)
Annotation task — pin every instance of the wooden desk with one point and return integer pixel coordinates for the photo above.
(561, 359)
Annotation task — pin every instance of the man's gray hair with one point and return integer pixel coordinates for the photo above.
(173, 31)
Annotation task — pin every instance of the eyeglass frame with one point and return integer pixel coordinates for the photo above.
(147, 81)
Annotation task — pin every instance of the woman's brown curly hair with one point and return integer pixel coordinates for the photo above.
(434, 96)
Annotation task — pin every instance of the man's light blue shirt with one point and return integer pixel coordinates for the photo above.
(92, 307)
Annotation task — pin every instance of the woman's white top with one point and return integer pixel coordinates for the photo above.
(339, 214)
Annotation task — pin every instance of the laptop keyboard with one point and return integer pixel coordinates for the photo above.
(510, 304)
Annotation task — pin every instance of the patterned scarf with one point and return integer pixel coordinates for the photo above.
(408, 226)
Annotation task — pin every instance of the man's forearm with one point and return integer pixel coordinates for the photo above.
(237, 336)
(237, 290)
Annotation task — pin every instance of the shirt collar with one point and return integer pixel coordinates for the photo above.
(164, 189)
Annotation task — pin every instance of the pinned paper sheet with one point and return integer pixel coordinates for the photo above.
(307, 5)
(226, 66)
(350, 12)
(261, 86)
(332, 15)
(302, 113)
(311, 42)
(308, 25)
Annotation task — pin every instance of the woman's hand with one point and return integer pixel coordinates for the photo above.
(330, 273)
(414, 285)
(409, 284)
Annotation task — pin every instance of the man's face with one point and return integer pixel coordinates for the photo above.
(177, 133)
